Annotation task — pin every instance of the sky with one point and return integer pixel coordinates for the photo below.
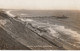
(41, 4)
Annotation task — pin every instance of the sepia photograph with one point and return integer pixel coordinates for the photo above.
(40, 25)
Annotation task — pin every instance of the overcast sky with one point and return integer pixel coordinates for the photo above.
(41, 4)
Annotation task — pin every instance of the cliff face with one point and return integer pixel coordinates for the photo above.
(6, 40)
